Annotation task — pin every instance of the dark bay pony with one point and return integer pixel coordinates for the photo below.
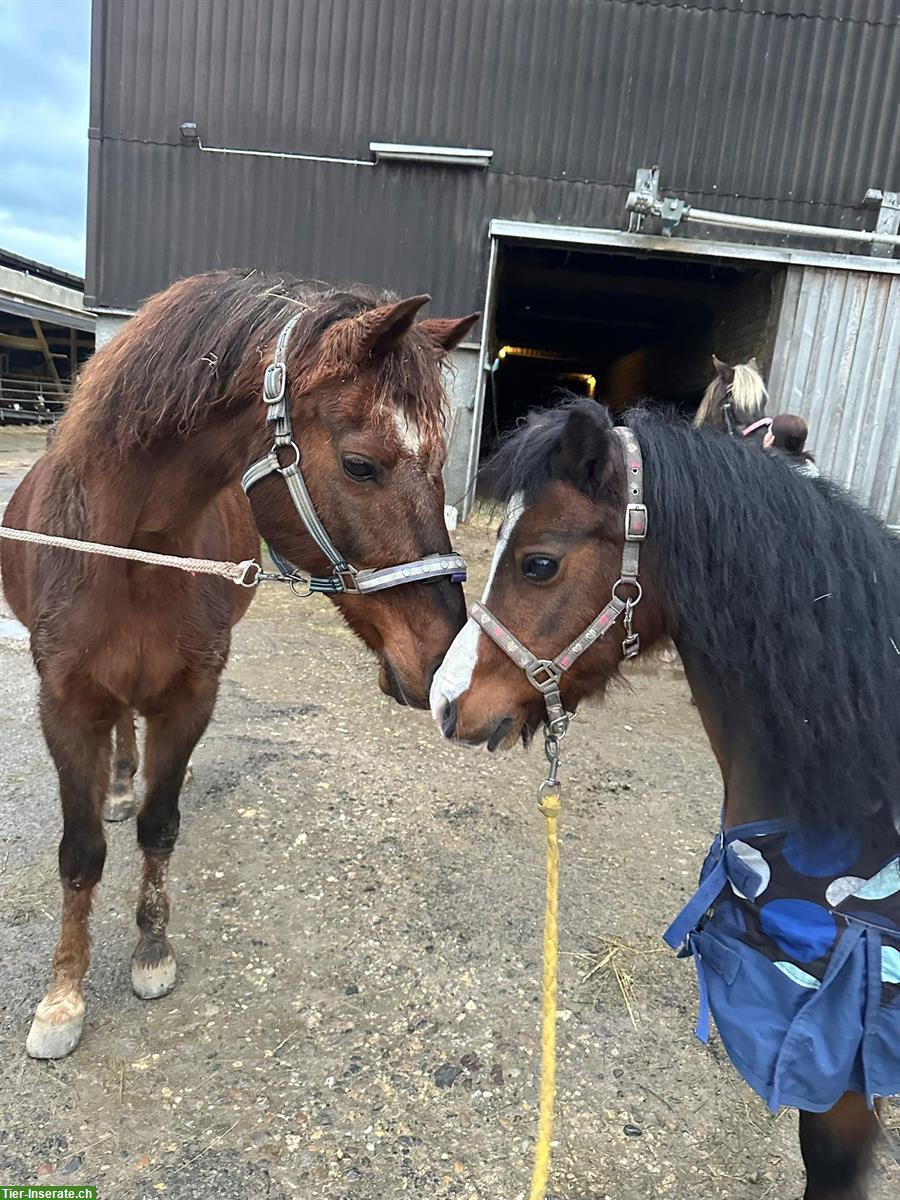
(791, 644)
(162, 424)
(735, 401)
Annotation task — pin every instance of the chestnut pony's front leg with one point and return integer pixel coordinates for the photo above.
(79, 742)
(174, 727)
(837, 1148)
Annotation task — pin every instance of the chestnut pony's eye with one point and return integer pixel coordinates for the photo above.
(539, 568)
(359, 468)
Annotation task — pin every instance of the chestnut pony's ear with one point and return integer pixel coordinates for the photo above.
(582, 455)
(723, 370)
(448, 332)
(380, 330)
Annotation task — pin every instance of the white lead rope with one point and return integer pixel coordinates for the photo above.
(249, 572)
(239, 573)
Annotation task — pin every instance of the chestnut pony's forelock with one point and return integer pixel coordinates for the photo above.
(200, 345)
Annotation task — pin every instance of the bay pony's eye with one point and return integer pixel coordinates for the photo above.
(539, 568)
(359, 468)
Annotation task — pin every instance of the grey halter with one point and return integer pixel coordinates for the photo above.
(545, 673)
(344, 577)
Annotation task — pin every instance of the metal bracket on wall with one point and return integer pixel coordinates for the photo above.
(888, 205)
(645, 201)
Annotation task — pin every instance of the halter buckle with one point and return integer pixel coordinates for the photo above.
(273, 382)
(347, 576)
(635, 522)
(544, 675)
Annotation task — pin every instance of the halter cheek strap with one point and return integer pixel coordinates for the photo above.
(344, 577)
(544, 674)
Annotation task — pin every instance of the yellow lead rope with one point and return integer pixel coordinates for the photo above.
(549, 805)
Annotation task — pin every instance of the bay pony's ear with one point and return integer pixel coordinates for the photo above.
(582, 455)
(378, 331)
(448, 332)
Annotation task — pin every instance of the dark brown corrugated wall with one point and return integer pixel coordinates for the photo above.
(777, 108)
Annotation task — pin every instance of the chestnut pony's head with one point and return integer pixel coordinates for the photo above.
(558, 554)
(367, 401)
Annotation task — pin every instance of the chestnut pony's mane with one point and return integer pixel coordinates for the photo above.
(783, 588)
(200, 344)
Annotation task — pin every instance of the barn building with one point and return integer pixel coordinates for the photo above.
(623, 187)
(45, 335)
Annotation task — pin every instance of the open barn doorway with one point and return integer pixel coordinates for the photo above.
(618, 326)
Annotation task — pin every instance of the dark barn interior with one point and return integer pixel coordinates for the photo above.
(619, 327)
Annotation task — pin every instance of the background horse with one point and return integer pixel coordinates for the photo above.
(735, 400)
(790, 644)
(162, 424)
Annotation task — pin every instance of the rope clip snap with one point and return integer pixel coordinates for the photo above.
(549, 798)
(250, 573)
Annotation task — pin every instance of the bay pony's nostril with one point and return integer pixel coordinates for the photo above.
(449, 718)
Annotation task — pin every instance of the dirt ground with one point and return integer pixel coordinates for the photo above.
(357, 912)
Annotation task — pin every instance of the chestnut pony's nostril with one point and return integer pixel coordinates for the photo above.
(449, 718)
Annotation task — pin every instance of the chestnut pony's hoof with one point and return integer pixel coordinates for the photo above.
(56, 1028)
(153, 970)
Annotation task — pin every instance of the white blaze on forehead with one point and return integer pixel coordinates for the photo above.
(454, 675)
(408, 432)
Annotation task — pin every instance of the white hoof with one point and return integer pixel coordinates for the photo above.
(56, 1028)
(188, 775)
(154, 980)
(119, 807)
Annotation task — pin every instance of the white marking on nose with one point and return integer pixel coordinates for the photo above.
(454, 675)
(408, 432)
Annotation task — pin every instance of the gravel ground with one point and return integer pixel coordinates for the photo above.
(357, 912)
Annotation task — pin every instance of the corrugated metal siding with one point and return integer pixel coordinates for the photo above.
(572, 95)
(837, 363)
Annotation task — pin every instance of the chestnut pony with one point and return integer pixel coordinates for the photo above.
(162, 424)
(783, 598)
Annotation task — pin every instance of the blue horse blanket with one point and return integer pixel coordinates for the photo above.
(796, 938)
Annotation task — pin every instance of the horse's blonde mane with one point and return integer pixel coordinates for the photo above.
(748, 392)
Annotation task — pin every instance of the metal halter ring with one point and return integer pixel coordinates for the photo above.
(295, 584)
(620, 582)
(291, 445)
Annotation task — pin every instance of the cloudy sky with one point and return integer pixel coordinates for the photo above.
(44, 79)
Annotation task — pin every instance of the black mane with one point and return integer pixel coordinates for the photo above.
(784, 589)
